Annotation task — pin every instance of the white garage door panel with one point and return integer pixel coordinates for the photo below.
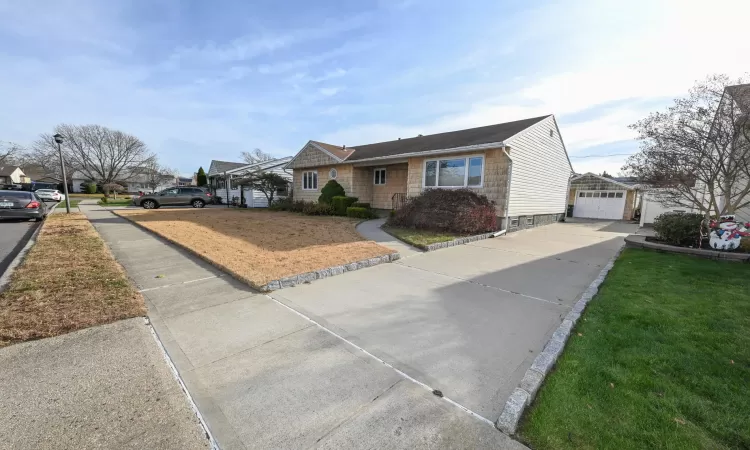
(600, 204)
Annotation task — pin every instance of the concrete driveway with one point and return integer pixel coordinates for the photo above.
(467, 320)
(350, 361)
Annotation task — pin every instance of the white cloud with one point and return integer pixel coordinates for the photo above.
(328, 92)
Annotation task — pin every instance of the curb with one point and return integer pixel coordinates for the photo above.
(5, 278)
(458, 241)
(176, 375)
(281, 283)
(639, 241)
(532, 380)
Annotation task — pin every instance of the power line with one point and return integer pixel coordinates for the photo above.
(604, 156)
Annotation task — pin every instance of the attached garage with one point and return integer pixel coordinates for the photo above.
(596, 197)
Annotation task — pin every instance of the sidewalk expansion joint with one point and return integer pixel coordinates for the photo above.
(180, 284)
(484, 285)
(385, 363)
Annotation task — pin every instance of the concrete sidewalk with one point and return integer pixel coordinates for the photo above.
(264, 376)
(102, 387)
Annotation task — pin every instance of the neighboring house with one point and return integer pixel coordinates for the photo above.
(597, 197)
(522, 166)
(13, 175)
(185, 181)
(139, 181)
(220, 171)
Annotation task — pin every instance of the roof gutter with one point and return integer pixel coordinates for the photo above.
(466, 148)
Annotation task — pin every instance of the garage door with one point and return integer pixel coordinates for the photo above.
(600, 204)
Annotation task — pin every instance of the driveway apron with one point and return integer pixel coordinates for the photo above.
(266, 376)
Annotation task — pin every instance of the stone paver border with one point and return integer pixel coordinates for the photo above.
(639, 241)
(281, 283)
(532, 380)
(458, 241)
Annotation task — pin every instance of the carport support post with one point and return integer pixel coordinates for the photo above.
(226, 187)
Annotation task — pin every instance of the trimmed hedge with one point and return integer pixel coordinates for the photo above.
(330, 190)
(317, 209)
(454, 210)
(340, 203)
(360, 205)
(679, 228)
(359, 212)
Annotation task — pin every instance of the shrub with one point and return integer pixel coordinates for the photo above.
(91, 188)
(217, 199)
(454, 210)
(359, 213)
(105, 199)
(298, 206)
(341, 203)
(745, 244)
(330, 190)
(360, 205)
(678, 228)
(282, 204)
(317, 209)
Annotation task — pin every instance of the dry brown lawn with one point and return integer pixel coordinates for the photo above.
(68, 281)
(261, 246)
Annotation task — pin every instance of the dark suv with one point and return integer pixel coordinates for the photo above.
(183, 196)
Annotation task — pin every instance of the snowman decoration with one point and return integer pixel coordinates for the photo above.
(727, 234)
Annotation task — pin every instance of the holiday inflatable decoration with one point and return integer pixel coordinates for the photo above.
(726, 233)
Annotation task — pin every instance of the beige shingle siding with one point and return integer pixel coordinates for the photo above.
(310, 156)
(495, 176)
(395, 182)
(343, 176)
(540, 171)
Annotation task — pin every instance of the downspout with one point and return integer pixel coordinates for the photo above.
(507, 195)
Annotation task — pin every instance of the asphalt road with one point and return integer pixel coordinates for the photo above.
(14, 234)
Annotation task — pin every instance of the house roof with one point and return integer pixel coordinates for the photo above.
(261, 165)
(224, 166)
(441, 141)
(626, 182)
(7, 170)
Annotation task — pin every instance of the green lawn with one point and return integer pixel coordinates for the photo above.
(118, 202)
(420, 238)
(662, 361)
(73, 203)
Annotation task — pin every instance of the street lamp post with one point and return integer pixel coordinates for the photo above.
(59, 140)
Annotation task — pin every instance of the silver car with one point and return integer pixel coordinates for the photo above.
(184, 196)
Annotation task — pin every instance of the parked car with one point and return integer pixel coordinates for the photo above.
(50, 194)
(196, 197)
(21, 205)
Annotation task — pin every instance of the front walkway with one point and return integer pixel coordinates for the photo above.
(265, 376)
(370, 230)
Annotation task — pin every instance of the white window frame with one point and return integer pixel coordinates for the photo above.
(304, 176)
(529, 220)
(375, 176)
(514, 222)
(466, 172)
(333, 173)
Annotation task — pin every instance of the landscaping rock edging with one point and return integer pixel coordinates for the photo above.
(458, 241)
(532, 380)
(639, 241)
(281, 283)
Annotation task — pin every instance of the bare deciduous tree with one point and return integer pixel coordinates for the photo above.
(155, 174)
(697, 153)
(10, 153)
(98, 153)
(255, 156)
(268, 183)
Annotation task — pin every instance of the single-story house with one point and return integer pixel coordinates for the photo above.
(221, 171)
(596, 197)
(522, 166)
(13, 175)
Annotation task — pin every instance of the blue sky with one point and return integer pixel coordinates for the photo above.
(200, 80)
